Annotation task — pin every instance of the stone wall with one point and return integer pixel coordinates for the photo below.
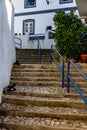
(7, 47)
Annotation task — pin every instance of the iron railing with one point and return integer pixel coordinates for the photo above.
(59, 66)
(39, 50)
(18, 41)
(70, 79)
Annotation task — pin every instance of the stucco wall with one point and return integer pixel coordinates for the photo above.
(7, 48)
(33, 44)
(41, 5)
(42, 20)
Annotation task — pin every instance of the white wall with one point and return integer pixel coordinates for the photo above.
(41, 5)
(7, 48)
(32, 44)
(42, 20)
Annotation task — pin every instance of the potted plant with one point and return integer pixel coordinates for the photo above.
(68, 28)
(83, 46)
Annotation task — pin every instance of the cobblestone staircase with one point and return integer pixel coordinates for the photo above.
(40, 103)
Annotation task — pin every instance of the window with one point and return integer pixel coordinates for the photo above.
(65, 1)
(29, 3)
(28, 26)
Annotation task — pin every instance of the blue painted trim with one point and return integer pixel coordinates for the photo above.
(29, 6)
(65, 2)
(44, 11)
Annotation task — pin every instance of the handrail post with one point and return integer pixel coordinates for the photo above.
(62, 73)
(40, 54)
(68, 80)
(20, 43)
(51, 54)
(16, 38)
(39, 49)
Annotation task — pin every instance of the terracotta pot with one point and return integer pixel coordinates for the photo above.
(83, 58)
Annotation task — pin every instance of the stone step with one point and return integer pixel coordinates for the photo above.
(35, 66)
(34, 70)
(75, 74)
(32, 57)
(45, 91)
(74, 70)
(82, 84)
(32, 50)
(45, 83)
(44, 101)
(37, 61)
(36, 83)
(82, 65)
(26, 56)
(36, 74)
(79, 79)
(35, 78)
(38, 123)
(42, 111)
(34, 62)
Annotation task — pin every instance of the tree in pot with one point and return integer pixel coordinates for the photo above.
(68, 27)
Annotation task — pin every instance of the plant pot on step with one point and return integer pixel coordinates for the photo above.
(83, 58)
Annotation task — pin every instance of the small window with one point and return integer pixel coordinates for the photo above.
(28, 26)
(29, 3)
(65, 1)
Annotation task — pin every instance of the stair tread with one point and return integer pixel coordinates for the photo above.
(36, 65)
(45, 91)
(36, 78)
(36, 83)
(43, 123)
(45, 99)
(35, 70)
(44, 109)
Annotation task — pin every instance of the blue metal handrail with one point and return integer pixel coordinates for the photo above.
(18, 43)
(60, 68)
(73, 82)
(39, 50)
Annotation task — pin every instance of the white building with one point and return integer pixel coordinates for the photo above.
(34, 16)
(7, 47)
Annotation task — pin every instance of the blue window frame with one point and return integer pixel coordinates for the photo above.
(29, 26)
(65, 1)
(29, 3)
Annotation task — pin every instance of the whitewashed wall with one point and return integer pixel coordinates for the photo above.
(33, 44)
(7, 48)
(41, 5)
(41, 20)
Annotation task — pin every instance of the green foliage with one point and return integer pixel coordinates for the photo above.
(68, 28)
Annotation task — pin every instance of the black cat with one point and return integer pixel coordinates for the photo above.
(11, 87)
